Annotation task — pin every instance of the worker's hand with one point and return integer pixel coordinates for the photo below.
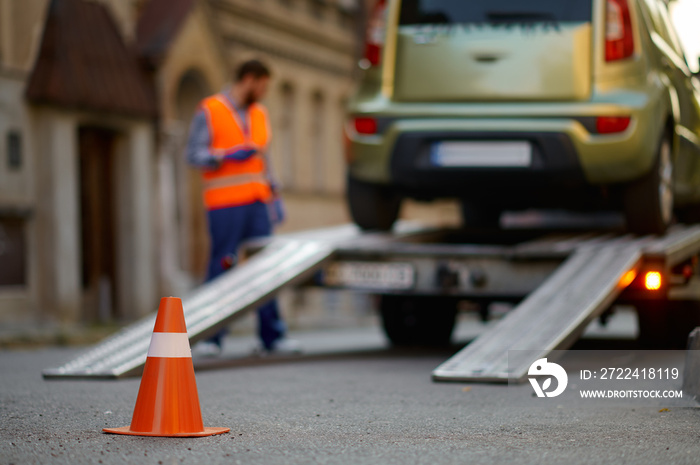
(212, 163)
(276, 211)
(240, 155)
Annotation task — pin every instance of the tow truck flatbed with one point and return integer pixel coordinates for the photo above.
(560, 280)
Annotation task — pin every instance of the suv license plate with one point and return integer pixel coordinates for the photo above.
(363, 275)
(481, 154)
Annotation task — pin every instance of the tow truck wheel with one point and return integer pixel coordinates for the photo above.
(665, 324)
(372, 206)
(418, 320)
(649, 200)
(689, 214)
(475, 215)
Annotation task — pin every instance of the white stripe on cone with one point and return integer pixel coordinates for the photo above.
(170, 345)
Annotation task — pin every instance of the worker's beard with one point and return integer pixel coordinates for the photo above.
(249, 98)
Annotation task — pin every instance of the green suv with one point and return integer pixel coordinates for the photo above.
(507, 105)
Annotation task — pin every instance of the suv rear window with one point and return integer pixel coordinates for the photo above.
(494, 11)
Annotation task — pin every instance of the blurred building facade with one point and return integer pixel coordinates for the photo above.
(99, 214)
(77, 118)
(193, 47)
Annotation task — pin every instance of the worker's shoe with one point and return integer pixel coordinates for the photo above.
(283, 346)
(287, 346)
(206, 349)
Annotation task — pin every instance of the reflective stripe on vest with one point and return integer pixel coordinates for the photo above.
(236, 182)
(233, 180)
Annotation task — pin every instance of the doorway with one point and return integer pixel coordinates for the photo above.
(191, 217)
(98, 223)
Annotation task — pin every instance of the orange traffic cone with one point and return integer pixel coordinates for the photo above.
(168, 404)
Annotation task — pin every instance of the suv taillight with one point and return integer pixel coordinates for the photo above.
(374, 38)
(365, 125)
(619, 41)
(611, 124)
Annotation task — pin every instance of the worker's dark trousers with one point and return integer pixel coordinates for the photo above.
(228, 227)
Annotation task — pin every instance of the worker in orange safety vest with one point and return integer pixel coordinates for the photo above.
(229, 140)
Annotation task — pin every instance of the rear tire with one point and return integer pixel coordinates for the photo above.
(690, 214)
(666, 324)
(475, 215)
(649, 201)
(418, 320)
(372, 206)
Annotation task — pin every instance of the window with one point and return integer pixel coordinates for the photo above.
(318, 140)
(12, 252)
(14, 150)
(347, 13)
(287, 140)
(346, 19)
(317, 8)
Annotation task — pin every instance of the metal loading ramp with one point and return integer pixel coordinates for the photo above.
(556, 314)
(207, 310)
(283, 261)
(552, 316)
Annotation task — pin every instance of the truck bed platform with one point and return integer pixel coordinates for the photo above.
(562, 280)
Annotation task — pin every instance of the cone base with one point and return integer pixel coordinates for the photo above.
(206, 432)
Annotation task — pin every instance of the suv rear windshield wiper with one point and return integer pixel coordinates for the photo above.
(434, 17)
(502, 17)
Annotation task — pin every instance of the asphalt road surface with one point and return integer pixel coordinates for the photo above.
(352, 401)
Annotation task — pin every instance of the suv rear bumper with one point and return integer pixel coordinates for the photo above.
(554, 163)
(565, 152)
(554, 178)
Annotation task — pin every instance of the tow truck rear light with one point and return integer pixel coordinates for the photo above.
(619, 39)
(374, 38)
(364, 125)
(628, 278)
(653, 280)
(611, 124)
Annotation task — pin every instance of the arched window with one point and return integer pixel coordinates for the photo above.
(190, 90)
(286, 136)
(318, 141)
(190, 236)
